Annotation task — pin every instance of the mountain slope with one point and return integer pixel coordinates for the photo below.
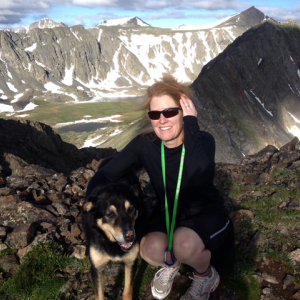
(248, 96)
(71, 63)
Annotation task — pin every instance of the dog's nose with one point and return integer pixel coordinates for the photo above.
(129, 235)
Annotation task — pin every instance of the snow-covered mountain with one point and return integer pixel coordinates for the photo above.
(58, 63)
(133, 21)
(42, 24)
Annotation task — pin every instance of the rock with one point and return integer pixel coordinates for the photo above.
(94, 165)
(250, 179)
(294, 256)
(40, 239)
(2, 233)
(291, 145)
(264, 178)
(288, 280)
(79, 252)
(71, 284)
(2, 246)
(261, 157)
(61, 208)
(239, 217)
(60, 184)
(18, 182)
(76, 230)
(9, 202)
(269, 278)
(70, 270)
(266, 291)
(21, 236)
(259, 240)
(296, 295)
(6, 191)
(258, 278)
(9, 263)
(25, 213)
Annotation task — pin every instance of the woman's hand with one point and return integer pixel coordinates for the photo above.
(188, 107)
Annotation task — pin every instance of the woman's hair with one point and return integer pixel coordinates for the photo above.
(168, 85)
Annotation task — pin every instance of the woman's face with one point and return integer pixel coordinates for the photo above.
(170, 130)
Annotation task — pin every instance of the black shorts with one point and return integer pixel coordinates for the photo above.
(211, 227)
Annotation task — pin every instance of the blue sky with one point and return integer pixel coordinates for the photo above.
(16, 14)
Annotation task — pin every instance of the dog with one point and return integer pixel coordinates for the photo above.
(113, 220)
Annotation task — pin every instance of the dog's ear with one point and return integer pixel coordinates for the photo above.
(136, 190)
(87, 206)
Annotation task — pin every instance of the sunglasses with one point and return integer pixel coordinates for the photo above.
(167, 113)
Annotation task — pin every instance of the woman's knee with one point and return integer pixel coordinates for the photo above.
(152, 244)
(187, 243)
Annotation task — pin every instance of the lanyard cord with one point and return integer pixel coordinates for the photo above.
(171, 232)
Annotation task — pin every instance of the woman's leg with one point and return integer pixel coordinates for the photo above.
(152, 248)
(190, 249)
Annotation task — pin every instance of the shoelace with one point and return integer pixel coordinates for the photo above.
(196, 286)
(164, 275)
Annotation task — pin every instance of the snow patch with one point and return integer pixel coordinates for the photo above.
(295, 119)
(262, 104)
(31, 48)
(298, 71)
(68, 79)
(80, 88)
(292, 59)
(40, 64)
(260, 60)
(22, 116)
(11, 87)
(90, 142)
(53, 88)
(17, 97)
(29, 106)
(100, 33)
(291, 88)
(111, 119)
(6, 108)
(117, 131)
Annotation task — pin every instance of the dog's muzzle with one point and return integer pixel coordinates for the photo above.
(129, 238)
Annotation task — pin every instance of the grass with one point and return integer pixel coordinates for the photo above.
(8, 251)
(242, 282)
(35, 277)
(54, 113)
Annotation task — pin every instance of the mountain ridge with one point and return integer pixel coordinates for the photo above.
(75, 64)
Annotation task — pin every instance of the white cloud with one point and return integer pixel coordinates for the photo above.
(95, 3)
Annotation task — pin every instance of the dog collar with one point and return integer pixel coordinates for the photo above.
(170, 231)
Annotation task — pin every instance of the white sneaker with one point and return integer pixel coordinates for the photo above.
(162, 282)
(202, 286)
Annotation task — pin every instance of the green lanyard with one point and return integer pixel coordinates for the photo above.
(171, 232)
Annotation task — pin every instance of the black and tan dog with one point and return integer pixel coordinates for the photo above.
(113, 222)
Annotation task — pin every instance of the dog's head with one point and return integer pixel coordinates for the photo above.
(114, 209)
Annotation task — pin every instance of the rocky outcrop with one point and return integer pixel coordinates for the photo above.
(30, 142)
(248, 96)
(81, 63)
(39, 204)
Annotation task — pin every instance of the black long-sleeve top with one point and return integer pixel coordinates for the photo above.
(197, 192)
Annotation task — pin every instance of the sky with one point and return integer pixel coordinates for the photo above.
(16, 14)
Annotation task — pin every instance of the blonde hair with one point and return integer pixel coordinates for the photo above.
(168, 85)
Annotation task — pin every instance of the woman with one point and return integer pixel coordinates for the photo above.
(201, 225)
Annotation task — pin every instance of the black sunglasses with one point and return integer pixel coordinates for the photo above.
(168, 113)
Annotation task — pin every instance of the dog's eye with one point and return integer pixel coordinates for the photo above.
(131, 208)
(110, 215)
